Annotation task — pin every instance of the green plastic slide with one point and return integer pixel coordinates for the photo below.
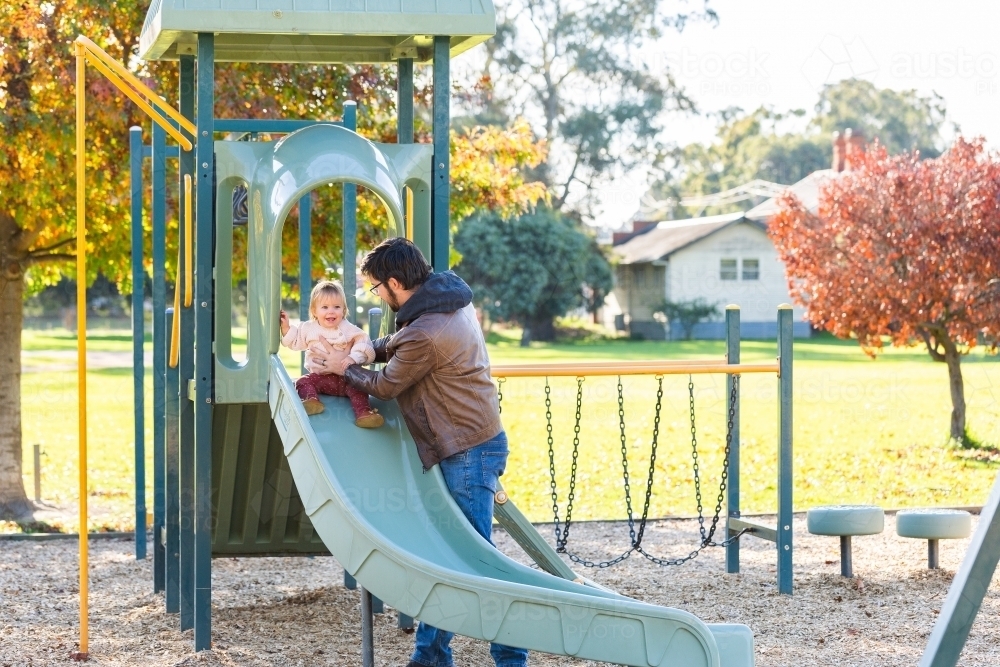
(396, 529)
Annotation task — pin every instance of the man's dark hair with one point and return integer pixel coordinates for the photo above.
(397, 258)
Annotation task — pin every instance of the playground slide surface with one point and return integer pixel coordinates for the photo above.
(396, 529)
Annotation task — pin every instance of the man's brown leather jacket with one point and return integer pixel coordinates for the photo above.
(439, 372)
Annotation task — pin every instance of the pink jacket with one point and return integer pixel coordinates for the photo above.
(345, 337)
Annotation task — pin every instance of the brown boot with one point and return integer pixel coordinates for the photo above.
(371, 420)
(313, 406)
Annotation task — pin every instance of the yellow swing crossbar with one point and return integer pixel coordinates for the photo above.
(175, 125)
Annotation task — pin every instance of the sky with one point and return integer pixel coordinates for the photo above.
(780, 53)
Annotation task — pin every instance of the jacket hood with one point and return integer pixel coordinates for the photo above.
(441, 293)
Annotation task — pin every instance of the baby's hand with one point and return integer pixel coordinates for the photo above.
(283, 322)
(348, 361)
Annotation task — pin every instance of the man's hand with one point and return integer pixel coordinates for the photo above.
(327, 360)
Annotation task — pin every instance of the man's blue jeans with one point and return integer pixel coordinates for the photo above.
(472, 480)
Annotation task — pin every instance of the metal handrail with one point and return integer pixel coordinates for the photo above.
(136, 90)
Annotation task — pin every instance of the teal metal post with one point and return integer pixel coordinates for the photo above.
(186, 407)
(305, 261)
(784, 527)
(350, 229)
(404, 101)
(138, 339)
(159, 243)
(404, 135)
(968, 589)
(440, 179)
(204, 298)
(171, 489)
(733, 497)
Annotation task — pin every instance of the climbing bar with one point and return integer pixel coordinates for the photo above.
(188, 244)
(677, 367)
(136, 90)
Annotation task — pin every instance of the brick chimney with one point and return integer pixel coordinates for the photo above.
(838, 152)
(854, 148)
(638, 227)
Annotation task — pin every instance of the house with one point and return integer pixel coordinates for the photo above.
(722, 259)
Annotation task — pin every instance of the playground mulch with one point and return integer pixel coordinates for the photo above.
(295, 611)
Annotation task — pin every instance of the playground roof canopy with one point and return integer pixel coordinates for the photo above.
(315, 31)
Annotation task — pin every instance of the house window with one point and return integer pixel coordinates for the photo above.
(751, 269)
(727, 269)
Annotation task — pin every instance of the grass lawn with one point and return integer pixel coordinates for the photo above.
(866, 431)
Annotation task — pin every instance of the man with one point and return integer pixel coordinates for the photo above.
(438, 370)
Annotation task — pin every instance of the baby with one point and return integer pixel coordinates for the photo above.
(327, 306)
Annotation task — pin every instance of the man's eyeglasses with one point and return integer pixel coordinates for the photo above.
(374, 289)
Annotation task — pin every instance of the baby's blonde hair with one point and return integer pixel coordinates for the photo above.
(327, 289)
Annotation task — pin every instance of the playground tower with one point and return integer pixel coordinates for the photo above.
(225, 483)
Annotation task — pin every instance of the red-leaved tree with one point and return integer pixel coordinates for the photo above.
(902, 249)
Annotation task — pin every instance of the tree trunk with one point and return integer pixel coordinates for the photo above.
(542, 328)
(526, 336)
(14, 503)
(957, 387)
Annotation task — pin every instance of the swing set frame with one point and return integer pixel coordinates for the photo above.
(781, 533)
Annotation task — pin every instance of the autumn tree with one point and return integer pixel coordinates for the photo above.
(37, 201)
(902, 249)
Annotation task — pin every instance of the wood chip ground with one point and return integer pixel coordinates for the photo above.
(296, 611)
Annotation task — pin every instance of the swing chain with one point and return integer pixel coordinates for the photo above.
(706, 537)
(562, 533)
(628, 496)
(552, 459)
(694, 459)
(500, 382)
(562, 536)
(625, 475)
(652, 461)
(725, 470)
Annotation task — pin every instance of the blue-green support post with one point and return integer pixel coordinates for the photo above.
(138, 339)
(968, 588)
(784, 527)
(440, 179)
(171, 488)
(159, 243)
(186, 368)
(204, 298)
(733, 491)
(350, 228)
(404, 101)
(305, 261)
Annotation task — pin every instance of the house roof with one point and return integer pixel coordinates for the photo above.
(317, 31)
(807, 191)
(669, 236)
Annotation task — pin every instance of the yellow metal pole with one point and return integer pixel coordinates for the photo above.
(175, 332)
(409, 213)
(628, 368)
(81, 335)
(188, 246)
